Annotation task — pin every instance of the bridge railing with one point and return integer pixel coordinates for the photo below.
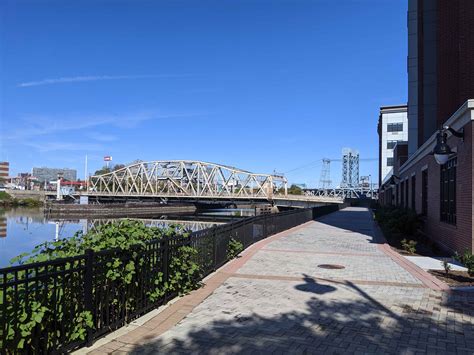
(50, 299)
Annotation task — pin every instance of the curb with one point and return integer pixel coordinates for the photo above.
(426, 278)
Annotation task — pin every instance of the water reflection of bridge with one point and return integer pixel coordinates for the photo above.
(193, 225)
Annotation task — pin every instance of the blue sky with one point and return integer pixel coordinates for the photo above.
(260, 84)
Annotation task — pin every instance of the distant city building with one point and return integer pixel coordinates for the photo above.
(4, 170)
(3, 227)
(392, 128)
(51, 174)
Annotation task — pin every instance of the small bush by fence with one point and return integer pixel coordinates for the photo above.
(58, 304)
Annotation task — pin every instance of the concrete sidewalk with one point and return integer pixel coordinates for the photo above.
(279, 297)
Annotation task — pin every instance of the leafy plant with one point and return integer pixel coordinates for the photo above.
(446, 265)
(234, 248)
(52, 313)
(467, 259)
(409, 245)
(397, 220)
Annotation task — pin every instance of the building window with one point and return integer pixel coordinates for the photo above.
(402, 194)
(391, 144)
(413, 193)
(389, 161)
(397, 195)
(424, 192)
(406, 193)
(448, 192)
(394, 127)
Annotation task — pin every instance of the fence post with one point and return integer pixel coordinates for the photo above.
(88, 279)
(165, 245)
(214, 245)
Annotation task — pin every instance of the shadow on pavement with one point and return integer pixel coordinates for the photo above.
(312, 286)
(325, 326)
(353, 219)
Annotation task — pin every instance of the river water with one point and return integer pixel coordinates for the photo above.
(21, 229)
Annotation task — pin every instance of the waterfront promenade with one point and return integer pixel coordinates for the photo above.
(279, 297)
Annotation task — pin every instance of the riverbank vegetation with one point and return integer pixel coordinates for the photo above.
(128, 264)
(7, 200)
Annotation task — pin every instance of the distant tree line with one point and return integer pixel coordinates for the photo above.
(105, 169)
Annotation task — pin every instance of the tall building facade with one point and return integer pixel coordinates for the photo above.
(51, 174)
(440, 64)
(440, 94)
(392, 129)
(4, 170)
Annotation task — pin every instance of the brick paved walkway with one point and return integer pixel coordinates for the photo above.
(275, 299)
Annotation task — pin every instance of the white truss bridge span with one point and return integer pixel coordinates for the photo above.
(194, 180)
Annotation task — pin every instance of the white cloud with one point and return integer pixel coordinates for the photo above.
(33, 126)
(64, 146)
(102, 137)
(76, 79)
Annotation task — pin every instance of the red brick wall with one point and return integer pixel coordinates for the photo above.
(457, 237)
(4, 169)
(455, 53)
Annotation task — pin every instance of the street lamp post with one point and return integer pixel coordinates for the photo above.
(442, 150)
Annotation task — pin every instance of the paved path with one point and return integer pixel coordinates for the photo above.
(276, 299)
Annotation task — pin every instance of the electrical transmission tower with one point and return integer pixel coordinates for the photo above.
(350, 168)
(325, 178)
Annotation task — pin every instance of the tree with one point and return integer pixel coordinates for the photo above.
(118, 166)
(103, 170)
(295, 190)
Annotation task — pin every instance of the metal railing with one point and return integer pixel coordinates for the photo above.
(69, 287)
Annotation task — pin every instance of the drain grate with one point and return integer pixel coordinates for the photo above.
(331, 266)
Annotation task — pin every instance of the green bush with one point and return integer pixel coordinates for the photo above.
(4, 196)
(118, 275)
(8, 200)
(467, 259)
(234, 248)
(446, 266)
(397, 220)
(409, 246)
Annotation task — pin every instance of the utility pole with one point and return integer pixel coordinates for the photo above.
(58, 187)
(86, 179)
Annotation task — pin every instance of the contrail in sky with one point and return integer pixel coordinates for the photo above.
(75, 79)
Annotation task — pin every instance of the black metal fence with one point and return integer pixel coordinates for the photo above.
(59, 305)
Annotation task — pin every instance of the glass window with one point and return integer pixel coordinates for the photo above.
(389, 161)
(391, 144)
(413, 193)
(406, 193)
(395, 127)
(448, 192)
(424, 192)
(402, 194)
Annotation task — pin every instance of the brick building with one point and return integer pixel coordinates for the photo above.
(440, 95)
(4, 170)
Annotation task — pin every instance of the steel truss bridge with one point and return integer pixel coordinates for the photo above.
(196, 180)
(343, 193)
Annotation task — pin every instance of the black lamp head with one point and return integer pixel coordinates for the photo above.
(442, 151)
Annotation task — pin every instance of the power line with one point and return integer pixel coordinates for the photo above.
(320, 160)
